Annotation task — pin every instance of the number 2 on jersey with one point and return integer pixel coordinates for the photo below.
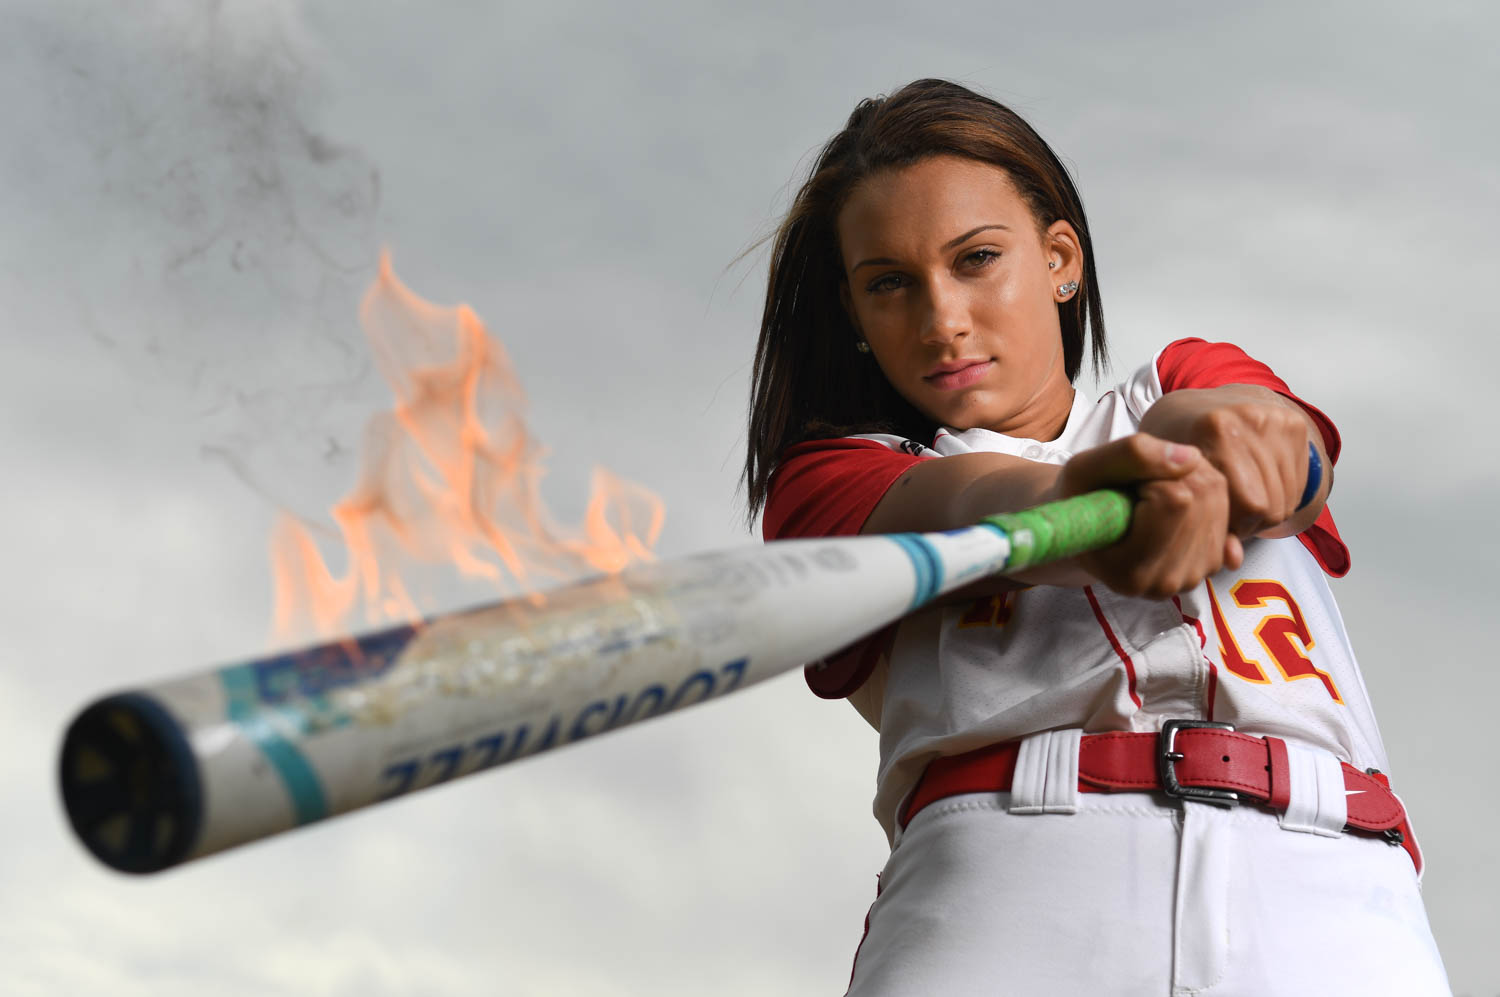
(1274, 632)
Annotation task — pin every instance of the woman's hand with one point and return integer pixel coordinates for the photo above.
(1179, 531)
(1259, 441)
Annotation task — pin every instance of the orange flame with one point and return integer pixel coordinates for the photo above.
(450, 479)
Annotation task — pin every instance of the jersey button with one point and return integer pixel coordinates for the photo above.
(1032, 452)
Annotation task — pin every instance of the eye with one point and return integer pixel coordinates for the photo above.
(885, 283)
(980, 258)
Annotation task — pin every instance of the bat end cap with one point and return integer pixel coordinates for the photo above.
(130, 784)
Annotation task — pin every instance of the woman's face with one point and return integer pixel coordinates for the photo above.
(947, 279)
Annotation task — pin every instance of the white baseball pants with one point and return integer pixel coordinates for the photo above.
(1135, 894)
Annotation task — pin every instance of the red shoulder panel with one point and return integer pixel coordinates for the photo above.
(828, 488)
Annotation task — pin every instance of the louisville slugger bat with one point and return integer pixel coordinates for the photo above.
(158, 776)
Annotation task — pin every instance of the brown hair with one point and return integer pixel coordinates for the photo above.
(808, 382)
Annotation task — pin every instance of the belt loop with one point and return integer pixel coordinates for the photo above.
(1046, 778)
(1028, 787)
(1316, 802)
(1061, 794)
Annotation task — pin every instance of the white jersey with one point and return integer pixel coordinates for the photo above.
(1262, 647)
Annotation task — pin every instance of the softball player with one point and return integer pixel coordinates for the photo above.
(1152, 771)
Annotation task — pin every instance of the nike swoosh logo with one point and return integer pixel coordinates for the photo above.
(1353, 792)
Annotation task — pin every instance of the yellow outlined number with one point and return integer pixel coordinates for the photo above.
(1229, 650)
(1275, 634)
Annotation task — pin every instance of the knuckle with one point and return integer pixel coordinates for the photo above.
(1176, 495)
(1254, 506)
(1138, 445)
(1259, 416)
(1222, 422)
(1208, 477)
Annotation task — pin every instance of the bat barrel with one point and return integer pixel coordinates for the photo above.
(192, 766)
(184, 768)
(130, 784)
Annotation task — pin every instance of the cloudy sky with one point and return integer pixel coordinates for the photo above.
(193, 197)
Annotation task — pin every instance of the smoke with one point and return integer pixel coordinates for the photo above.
(181, 210)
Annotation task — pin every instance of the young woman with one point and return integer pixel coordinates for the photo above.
(1061, 819)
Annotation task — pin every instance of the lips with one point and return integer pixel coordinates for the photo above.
(957, 374)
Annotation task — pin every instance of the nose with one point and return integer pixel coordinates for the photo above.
(947, 315)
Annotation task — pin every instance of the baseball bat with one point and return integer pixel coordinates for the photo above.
(175, 771)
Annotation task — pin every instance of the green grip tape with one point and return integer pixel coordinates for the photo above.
(1064, 528)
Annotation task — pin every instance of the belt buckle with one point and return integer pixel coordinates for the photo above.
(1166, 765)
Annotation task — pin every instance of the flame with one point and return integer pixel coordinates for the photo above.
(449, 480)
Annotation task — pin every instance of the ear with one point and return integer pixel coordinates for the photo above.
(1063, 249)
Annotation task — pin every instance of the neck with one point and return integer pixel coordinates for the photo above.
(1044, 419)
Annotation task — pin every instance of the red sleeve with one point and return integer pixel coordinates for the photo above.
(1193, 363)
(828, 488)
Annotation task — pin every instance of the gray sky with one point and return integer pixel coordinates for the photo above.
(194, 196)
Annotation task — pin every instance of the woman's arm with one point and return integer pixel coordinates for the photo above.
(1178, 534)
(959, 490)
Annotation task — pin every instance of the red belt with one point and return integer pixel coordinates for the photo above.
(1189, 759)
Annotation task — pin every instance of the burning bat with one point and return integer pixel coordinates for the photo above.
(155, 777)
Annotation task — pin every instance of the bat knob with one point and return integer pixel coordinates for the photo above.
(130, 784)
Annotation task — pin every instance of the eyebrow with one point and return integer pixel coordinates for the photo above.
(885, 261)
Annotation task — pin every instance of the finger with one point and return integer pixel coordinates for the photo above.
(1249, 496)
(1289, 471)
(1128, 460)
(1234, 552)
(1281, 479)
(1266, 477)
(1292, 468)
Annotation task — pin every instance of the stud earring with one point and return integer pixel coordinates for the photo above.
(1051, 264)
(1068, 288)
(862, 346)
